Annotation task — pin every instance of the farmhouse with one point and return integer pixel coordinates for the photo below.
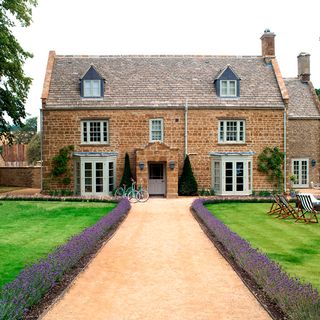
(220, 110)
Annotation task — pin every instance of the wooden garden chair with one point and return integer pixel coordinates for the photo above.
(276, 206)
(306, 206)
(288, 210)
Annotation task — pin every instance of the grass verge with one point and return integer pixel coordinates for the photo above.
(295, 246)
(30, 230)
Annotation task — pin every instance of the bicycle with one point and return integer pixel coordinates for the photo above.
(144, 194)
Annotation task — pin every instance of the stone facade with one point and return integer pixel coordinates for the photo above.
(129, 132)
(304, 143)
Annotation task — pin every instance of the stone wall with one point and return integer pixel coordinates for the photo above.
(29, 177)
(129, 131)
(304, 142)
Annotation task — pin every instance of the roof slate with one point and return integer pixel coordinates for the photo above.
(164, 81)
(301, 103)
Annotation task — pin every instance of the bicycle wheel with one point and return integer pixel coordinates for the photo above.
(144, 195)
(133, 196)
(120, 193)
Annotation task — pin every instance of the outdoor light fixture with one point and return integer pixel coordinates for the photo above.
(171, 164)
(141, 165)
(313, 162)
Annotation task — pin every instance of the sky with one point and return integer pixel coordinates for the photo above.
(204, 27)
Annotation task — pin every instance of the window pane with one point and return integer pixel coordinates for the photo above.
(224, 88)
(85, 132)
(231, 134)
(105, 131)
(221, 134)
(95, 134)
(156, 130)
(232, 88)
(95, 88)
(86, 88)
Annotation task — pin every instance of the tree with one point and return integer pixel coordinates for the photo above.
(270, 161)
(34, 149)
(127, 175)
(318, 93)
(23, 134)
(187, 185)
(14, 84)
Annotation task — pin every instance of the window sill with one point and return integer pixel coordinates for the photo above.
(94, 144)
(232, 143)
(91, 98)
(154, 141)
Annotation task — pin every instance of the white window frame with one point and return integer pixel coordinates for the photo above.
(299, 177)
(228, 82)
(224, 132)
(107, 179)
(150, 130)
(91, 95)
(247, 169)
(102, 122)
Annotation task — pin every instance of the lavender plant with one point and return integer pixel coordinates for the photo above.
(297, 300)
(33, 282)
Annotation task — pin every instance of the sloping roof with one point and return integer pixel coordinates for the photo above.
(163, 81)
(301, 99)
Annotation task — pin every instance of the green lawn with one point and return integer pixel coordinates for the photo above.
(29, 230)
(295, 246)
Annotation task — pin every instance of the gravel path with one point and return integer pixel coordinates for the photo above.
(159, 265)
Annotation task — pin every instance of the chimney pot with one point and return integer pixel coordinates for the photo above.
(267, 44)
(304, 66)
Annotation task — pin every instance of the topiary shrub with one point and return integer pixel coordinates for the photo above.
(187, 185)
(127, 175)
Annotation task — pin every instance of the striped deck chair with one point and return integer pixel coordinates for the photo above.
(276, 207)
(307, 207)
(288, 210)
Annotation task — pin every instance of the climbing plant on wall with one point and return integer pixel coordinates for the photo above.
(270, 162)
(60, 165)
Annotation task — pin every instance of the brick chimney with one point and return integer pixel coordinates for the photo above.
(304, 66)
(267, 44)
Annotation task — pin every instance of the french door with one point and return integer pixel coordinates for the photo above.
(232, 176)
(94, 177)
(300, 168)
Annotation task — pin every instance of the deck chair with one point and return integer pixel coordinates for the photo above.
(276, 207)
(306, 206)
(288, 210)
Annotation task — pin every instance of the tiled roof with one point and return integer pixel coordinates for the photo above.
(164, 81)
(301, 99)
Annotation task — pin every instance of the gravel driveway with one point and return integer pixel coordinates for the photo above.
(158, 265)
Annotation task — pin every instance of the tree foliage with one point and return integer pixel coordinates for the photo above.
(187, 185)
(127, 175)
(34, 149)
(14, 84)
(270, 162)
(318, 93)
(23, 134)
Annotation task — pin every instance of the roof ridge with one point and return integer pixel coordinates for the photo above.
(158, 56)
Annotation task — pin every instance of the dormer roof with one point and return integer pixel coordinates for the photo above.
(227, 73)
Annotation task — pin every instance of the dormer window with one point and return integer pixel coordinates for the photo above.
(227, 83)
(92, 84)
(228, 88)
(91, 88)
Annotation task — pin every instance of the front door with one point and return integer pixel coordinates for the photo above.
(157, 184)
(300, 170)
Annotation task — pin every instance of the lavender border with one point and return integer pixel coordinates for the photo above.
(33, 282)
(295, 299)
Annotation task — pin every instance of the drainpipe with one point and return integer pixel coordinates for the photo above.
(285, 147)
(41, 151)
(186, 128)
